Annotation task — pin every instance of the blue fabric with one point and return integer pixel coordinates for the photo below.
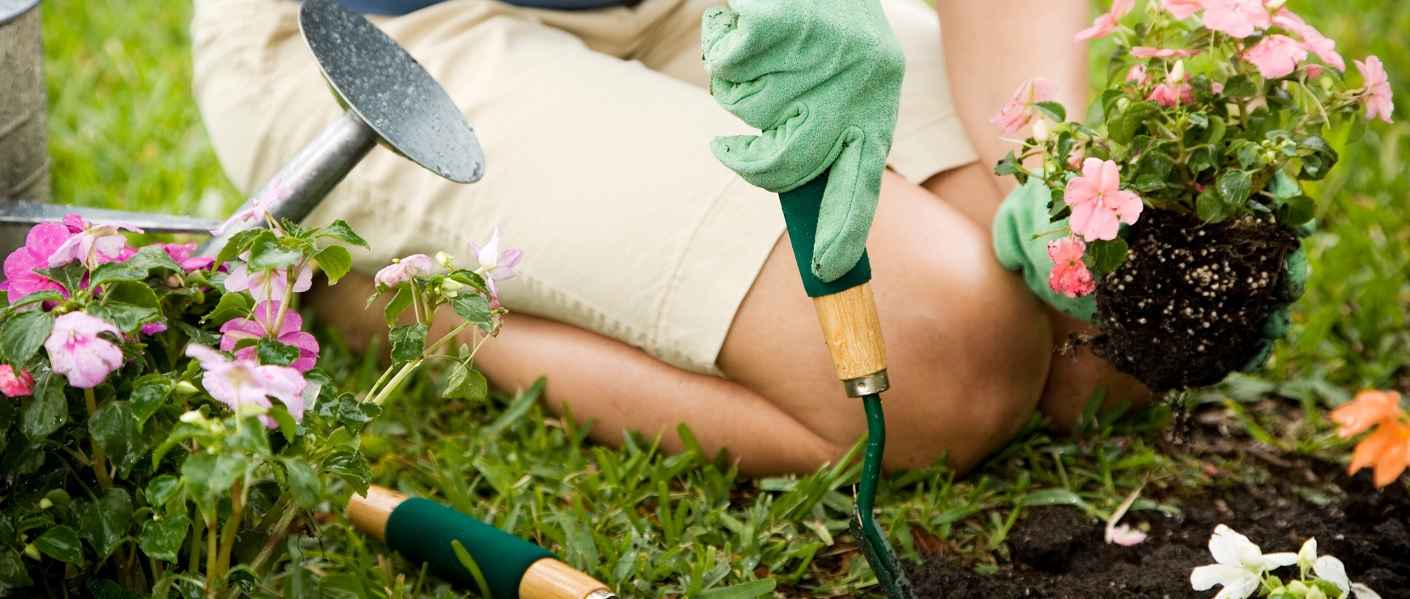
(400, 7)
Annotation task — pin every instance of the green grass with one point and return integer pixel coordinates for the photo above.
(126, 134)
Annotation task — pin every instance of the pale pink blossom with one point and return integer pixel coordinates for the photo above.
(404, 269)
(40, 243)
(272, 194)
(268, 284)
(181, 254)
(1137, 74)
(1149, 52)
(290, 333)
(240, 382)
(1069, 276)
(76, 350)
(1098, 205)
(1238, 18)
(495, 265)
(1181, 9)
(1019, 111)
(1173, 94)
(13, 385)
(96, 244)
(1312, 40)
(1126, 536)
(1376, 94)
(1106, 22)
(1276, 55)
(1313, 71)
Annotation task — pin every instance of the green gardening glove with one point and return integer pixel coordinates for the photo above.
(1291, 286)
(822, 80)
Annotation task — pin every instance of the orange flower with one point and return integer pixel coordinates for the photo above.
(1368, 409)
(1387, 449)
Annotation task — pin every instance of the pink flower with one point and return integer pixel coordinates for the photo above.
(242, 382)
(1149, 52)
(404, 269)
(1238, 18)
(1098, 206)
(76, 350)
(1070, 276)
(494, 265)
(1137, 75)
(267, 284)
(1312, 40)
(15, 386)
(1107, 22)
(96, 244)
(152, 328)
(1181, 9)
(1019, 111)
(1169, 94)
(1276, 55)
(1126, 536)
(290, 333)
(20, 278)
(272, 194)
(181, 253)
(1376, 93)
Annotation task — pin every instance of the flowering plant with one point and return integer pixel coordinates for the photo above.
(1387, 448)
(160, 405)
(1242, 568)
(1189, 171)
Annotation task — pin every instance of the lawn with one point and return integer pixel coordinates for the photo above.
(125, 133)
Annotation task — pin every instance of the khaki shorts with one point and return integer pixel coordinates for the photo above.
(595, 127)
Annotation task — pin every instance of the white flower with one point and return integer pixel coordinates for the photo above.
(1307, 556)
(1240, 566)
(1125, 536)
(1331, 569)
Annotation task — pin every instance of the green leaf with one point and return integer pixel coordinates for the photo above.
(230, 307)
(134, 268)
(1051, 497)
(104, 522)
(275, 353)
(47, 409)
(1283, 186)
(335, 261)
(342, 232)
(149, 394)
(400, 302)
(47, 295)
(1053, 110)
(127, 305)
(1011, 166)
(1107, 256)
(107, 589)
(1217, 129)
(1297, 211)
(1211, 208)
(1318, 157)
(1153, 171)
(237, 245)
(355, 414)
(408, 341)
(162, 489)
(115, 429)
(208, 476)
(287, 425)
(475, 309)
(69, 275)
(468, 562)
(351, 467)
(1234, 187)
(1240, 86)
(61, 543)
(12, 570)
(466, 383)
(1125, 128)
(1203, 158)
(266, 253)
(22, 335)
(163, 538)
(747, 590)
(303, 482)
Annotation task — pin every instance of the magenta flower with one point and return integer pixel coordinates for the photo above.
(268, 284)
(15, 386)
(1107, 22)
(290, 333)
(1018, 112)
(20, 278)
(76, 350)
(1149, 52)
(272, 194)
(1098, 205)
(494, 265)
(152, 328)
(181, 254)
(1312, 40)
(1238, 18)
(1182, 9)
(1376, 94)
(404, 269)
(1070, 276)
(96, 244)
(1276, 55)
(240, 382)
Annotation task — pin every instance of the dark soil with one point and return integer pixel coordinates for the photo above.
(1058, 553)
(1188, 305)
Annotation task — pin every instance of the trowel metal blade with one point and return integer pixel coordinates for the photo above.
(19, 212)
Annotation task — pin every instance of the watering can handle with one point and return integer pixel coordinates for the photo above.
(846, 307)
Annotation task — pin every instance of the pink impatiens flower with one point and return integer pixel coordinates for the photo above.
(1276, 55)
(1070, 276)
(262, 325)
(1098, 205)
(1181, 9)
(20, 278)
(95, 244)
(76, 350)
(1238, 18)
(1137, 75)
(402, 270)
(1312, 40)
(181, 254)
(242, 382)
(268, 284)
(1106, 22)
(1376, 93)
(1149, 52)
(495, 265)
(13, 385)
(272, 194)
(1019, 111)
(1173, 92)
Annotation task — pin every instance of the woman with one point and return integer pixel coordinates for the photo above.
(657, 287)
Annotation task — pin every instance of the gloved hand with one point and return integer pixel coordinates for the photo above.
(822, 80)
(1290, 287)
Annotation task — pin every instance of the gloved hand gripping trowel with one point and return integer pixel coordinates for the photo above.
(822, 80)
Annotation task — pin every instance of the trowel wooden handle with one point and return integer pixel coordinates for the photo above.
(422, 531)
(852, 330)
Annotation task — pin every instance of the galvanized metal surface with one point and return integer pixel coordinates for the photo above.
(28, 214)
(11, 9)
(24, 150)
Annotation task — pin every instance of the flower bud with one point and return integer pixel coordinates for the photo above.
(1177, 74)
(1315, 592)
(32, 552)
(1275, 4)
(45, 504)
(451, 287)
(445, 260)
(1041, 131)
(186, 389)
(1297, 588)
(1123, 103)
(192, 417)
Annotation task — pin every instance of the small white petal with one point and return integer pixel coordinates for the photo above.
(1331, 569)
(1205, 577)
(1364, 592)
(1278, 560)
(1308, 554)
